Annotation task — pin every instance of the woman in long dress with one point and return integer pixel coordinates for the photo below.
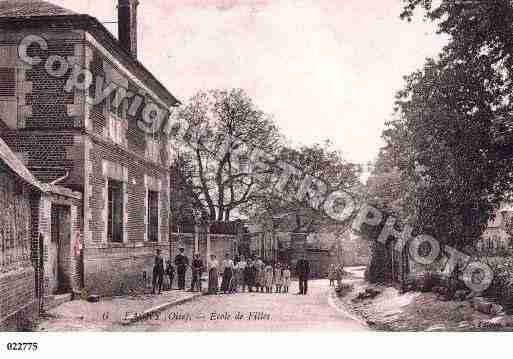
(260, 275)
(227, 274)
(268, 278)
(213, 275)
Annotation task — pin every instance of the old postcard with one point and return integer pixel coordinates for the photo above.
(254, 166)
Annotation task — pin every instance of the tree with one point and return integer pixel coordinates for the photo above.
(451, 135)
(223, 129)
(480, 41)
(449, 112)
(325, 170)
(302, 211)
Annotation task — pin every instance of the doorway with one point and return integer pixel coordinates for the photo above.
(59, 250)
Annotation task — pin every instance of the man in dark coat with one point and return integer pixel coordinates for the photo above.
(158, 272)
(197, 270)
(249, 276)
(170, 271)
(181, 263)
(302, 272)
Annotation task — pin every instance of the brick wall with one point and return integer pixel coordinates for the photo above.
(17, 299)
(50, 155)
(46, 114)
(117, 267)
(51, 106)
(17, 281)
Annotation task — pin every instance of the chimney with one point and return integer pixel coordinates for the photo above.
(127, 25)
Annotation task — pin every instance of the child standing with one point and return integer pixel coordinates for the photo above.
(332, 274)
(286, 279)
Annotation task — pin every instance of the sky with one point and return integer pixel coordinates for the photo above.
(325, 69)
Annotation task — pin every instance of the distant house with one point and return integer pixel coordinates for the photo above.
(495, 239)
(116, 213)
(282, 241)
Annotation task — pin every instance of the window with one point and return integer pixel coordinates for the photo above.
(153, 216)
(117, 119)
(7, 82)
(115, 211)
(153, 150)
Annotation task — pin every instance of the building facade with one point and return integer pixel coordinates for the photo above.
(94, 140)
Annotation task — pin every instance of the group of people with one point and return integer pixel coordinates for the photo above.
(239, 275)
(253, 275)
(335, 273)
(178, 266)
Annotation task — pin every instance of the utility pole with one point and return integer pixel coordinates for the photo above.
(196, 237)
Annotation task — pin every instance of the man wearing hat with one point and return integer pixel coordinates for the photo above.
(158, 272)
(197, 270)
(181, 263)
(303, 272)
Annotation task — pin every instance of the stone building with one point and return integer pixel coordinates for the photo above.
(74, 107)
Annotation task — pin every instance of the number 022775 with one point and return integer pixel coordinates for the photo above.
(22, 347)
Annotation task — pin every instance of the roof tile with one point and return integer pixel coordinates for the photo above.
(28, 8)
